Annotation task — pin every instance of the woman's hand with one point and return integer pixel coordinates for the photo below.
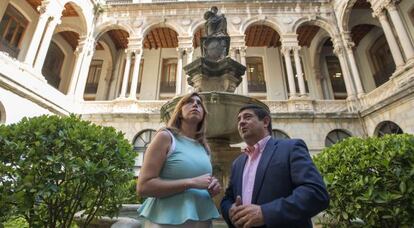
(201, 182)
(214, 188)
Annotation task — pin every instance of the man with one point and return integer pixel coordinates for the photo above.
(274, 183)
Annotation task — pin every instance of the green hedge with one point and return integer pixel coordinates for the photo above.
(370, 181)
(52, 167)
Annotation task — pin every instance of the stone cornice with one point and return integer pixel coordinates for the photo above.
(228, 8)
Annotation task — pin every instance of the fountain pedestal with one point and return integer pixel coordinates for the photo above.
(216, 76)
(207, 75)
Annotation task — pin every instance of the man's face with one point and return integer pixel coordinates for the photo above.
(251, 129)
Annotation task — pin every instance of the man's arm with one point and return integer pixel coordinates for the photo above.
(309, 196)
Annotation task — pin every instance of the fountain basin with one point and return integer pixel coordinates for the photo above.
(222, 110)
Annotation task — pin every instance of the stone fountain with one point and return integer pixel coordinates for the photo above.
(216, 76)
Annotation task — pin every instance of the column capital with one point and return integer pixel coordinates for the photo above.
(379, 13)
(338, 49)
(390, 5)
(296, 48)
(181, 51)
(136, 51)
(43, 7)
(242, 51)
(188, 50)
(286, 50)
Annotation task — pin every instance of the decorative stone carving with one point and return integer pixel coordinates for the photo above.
(214, 71)
(236, 20)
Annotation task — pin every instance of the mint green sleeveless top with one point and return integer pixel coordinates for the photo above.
(187, 159)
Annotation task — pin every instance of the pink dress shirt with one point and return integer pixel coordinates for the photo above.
(249, 173)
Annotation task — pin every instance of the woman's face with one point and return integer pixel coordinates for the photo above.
(192, 110)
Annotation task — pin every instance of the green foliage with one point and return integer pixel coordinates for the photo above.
(132, 197)
(52, 167)
(16, 222)
(370, 180)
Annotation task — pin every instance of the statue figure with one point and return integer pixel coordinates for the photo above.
(216, 25)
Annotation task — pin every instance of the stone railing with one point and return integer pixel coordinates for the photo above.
(392, 87)
(22, 80)
(307, 106)
(126, 106)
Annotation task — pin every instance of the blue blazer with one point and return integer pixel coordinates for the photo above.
(288, 187)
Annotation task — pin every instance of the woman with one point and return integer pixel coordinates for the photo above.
(176, 173)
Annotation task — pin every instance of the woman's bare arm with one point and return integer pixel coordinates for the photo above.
(149, 182)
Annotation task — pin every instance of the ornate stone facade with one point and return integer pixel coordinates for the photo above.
(295, 78)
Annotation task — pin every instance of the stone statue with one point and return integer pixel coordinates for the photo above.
(215, 25)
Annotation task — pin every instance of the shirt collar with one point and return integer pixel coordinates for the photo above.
(260, 145)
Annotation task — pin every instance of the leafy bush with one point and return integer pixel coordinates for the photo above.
(51, 167)
(133, 197)
(370, 180)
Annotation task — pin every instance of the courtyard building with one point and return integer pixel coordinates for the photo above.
(327, 69)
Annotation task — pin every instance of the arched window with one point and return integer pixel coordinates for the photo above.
(387, 127)
(53, 65)
(255, 75)
(336, 136)
(279, 134)
(141, 142)
(169, 74)
(382, 61)
(12, 27)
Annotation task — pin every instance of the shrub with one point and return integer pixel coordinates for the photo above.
(370, 180)
(51, 167)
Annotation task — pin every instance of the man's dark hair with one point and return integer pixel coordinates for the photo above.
(260, 112)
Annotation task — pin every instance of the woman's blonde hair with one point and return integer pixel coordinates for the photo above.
(174, 124)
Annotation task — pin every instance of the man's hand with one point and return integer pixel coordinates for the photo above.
(234, 209)
(248, 216)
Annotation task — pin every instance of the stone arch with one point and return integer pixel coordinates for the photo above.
(2, 113)
(393, 127)
(172, 26)
(110, 25)
(79, 6)
(261, 20)
(336, 135)
(345, 13)
(320, 22)
(195, 27)
(21, 10)
(70, 28)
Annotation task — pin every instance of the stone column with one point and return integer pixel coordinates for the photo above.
(405, 41)
(233, 53)
(245, 83)
(338, 51)
(289, 70)
(189, 54)
(355, 73)
(115, 79)
(44, 46)
(299, 73)
(135, 74)
(79, 55)
(389, 35)
(178, 79)
(88, 53)
(126, 74)
(37, 36)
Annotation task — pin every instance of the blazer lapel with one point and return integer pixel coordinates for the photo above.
(239, 177)
(262, 166)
